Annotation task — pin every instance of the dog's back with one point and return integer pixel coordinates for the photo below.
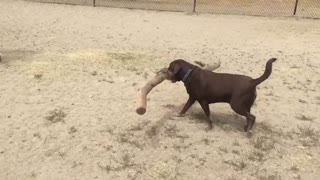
(220, 87)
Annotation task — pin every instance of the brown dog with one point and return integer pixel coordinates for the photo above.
(208, 87)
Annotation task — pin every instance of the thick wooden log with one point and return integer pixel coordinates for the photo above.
(163, 74)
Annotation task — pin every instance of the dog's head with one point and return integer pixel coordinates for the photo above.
(178, 68)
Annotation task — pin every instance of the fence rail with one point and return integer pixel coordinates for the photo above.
(299, 8)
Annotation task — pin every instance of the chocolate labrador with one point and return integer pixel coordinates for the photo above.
(208, 87)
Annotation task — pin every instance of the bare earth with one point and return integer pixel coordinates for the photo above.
(70, 75)
(306, 8)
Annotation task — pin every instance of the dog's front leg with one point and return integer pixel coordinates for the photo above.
(187, 106)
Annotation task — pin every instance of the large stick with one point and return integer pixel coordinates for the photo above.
(163, 74)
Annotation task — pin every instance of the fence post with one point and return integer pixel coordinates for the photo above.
(194, 5)
(94, 3)
(295, 7)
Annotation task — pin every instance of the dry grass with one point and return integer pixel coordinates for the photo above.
(94, 73)
(72, 130)
(206, 141)
(129, 138)
(169, 106)
(37, 75)
(305, 118)
(223, 149)
(125, 162)
(267, 128)
(308, 132)
(274, 176)
(237, 164)
(232, 177)
(264, 143)
(236, 143)
(56, 115)
(308, 136)
(171, 130)
(226, 127)
(151, 132)
(139, 126)
(294, 168)
(235, 152)
(256, 155)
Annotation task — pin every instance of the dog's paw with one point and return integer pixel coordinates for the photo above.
(249, 133)
(179, 115)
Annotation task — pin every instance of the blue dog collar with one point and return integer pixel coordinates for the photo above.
(187, 75)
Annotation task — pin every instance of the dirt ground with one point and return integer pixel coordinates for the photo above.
(70, 75)
(282, 8)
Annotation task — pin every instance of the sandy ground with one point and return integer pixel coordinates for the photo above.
(70, 74)
(282, 8)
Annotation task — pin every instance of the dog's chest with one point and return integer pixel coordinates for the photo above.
(194, 90)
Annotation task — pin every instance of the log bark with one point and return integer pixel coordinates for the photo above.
(163, 74)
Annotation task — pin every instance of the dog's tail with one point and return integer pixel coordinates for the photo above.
(265, 75)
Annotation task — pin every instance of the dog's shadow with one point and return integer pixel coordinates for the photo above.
(227, 121)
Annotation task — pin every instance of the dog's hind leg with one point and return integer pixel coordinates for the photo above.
(251, 119)
(205, 106)
(240, 105)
